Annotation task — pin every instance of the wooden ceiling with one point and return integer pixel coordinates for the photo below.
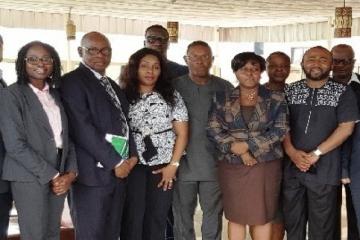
(222, 13)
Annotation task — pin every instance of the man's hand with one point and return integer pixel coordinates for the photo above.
(61, 184)
(123, 170)
(125, 167)
(301, 159)
(132, 162)
(312, 158)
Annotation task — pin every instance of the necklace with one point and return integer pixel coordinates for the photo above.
(251, 96)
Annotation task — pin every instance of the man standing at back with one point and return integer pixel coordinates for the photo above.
(278, 69)
(157, 38)
(97, 107)
(198, 170)
(343, 66)
(5, 193)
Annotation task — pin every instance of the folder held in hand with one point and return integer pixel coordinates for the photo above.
(120, 144)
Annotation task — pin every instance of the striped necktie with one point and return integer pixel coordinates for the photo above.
(104, 81)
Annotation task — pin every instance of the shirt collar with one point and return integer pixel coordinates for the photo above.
(96, 74)
(36, 90)
(354, 78)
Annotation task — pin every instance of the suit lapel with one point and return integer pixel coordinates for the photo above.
(3, 83)
(95, 83)
(36, 108)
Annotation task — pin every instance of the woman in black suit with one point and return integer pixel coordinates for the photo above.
(40, 160)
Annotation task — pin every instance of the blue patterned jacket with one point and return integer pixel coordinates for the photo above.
(264, 133)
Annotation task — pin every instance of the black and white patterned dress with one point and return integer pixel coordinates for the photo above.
(151, 115)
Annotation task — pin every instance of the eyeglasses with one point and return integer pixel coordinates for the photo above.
(272, 66)
(154, 39)
(343, 61)
(36, 60)
(193, 58)
(106, 51)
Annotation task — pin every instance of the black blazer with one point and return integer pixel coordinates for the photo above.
(92, 114)
(4, 185)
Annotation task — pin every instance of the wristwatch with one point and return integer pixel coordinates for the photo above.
(176, 164)
(317, 152)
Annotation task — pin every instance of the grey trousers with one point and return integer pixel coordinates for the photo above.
(184, 203)
(39, 210)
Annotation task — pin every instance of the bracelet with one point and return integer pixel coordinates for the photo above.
(176, 164)
(317, 152)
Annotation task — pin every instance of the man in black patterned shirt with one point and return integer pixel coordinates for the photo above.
(322, 117)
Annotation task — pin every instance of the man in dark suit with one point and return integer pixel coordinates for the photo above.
(96, 107)
(5, 193)
(343, 66)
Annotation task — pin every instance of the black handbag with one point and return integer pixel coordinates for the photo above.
(150, 149)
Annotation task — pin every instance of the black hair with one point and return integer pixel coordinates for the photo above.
(278, 53)
(243, 58)
(163, 85)
(157, 26)
(342, 45)
(198, 43)
(317, 47)
(20, 64)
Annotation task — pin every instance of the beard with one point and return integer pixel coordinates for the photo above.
(314, 75)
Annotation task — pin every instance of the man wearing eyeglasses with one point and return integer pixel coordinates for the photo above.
(97, 108)
(157, 38)
(197, 177)
(343, 65)
(5, 193)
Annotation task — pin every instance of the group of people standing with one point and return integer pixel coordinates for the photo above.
(138, 158)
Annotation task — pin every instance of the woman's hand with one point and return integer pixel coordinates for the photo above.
(168, 176)
(239, 148)
(248, 160)
(61, 184)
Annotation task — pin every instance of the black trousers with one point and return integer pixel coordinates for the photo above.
(307, 202)
(5, 207)
(146, 206)
(353, 233)
(96, 211)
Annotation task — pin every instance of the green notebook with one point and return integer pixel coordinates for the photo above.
(120, 144)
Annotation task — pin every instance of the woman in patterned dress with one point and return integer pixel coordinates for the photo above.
(248, 125)
(158, 121)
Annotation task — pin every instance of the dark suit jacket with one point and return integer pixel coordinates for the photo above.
(31, 153)
(4, 185)
(92, 114)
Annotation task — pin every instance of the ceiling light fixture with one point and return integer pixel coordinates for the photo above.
(343, 22)
(70, 27)
(173, 29)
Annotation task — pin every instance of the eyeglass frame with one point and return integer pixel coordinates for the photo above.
(197, 58)
(38, 60)
(97, 50)
(153, 39)
(344, 62)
